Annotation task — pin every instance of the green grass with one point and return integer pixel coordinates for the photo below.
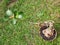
(24, 33)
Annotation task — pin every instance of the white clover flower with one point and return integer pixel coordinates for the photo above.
(19, 16)
(9, 12)
(14, 21)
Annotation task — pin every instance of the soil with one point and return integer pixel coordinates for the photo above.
(44, 37)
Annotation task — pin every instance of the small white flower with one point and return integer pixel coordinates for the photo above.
(20, 16)
(9, 12)
(14, 21)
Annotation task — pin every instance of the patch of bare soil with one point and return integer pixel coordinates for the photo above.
(44, 37)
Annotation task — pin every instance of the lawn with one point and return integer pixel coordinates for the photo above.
(24, 32)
